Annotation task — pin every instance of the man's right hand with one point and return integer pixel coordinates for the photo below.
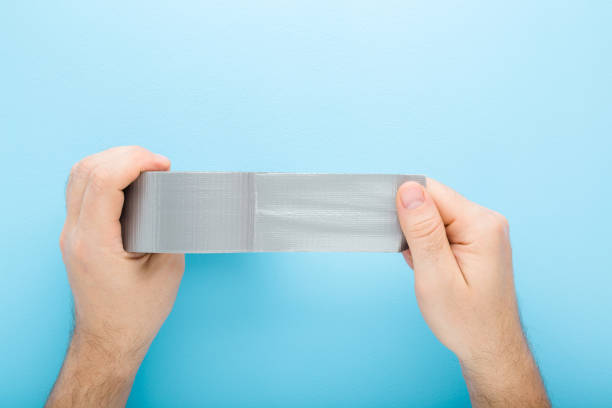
(462, 262)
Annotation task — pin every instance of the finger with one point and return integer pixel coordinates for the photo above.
(103, 199)
(425, 234)
(76, 185)
(460, 215)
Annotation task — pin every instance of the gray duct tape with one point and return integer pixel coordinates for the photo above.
(262, 212)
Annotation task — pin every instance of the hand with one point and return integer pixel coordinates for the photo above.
(464, 284)
(120, 299)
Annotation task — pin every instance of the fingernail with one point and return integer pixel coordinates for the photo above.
(411, 195)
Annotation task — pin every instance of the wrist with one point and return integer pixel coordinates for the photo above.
(498, 361)
(505, 350)
(118, 353)
(96, 372)
(509, 374)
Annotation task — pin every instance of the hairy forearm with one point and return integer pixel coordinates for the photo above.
(95, 373)
(507, 379)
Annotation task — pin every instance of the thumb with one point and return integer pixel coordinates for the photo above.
(425, 233)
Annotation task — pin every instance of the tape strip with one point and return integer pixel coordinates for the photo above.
(184, 212)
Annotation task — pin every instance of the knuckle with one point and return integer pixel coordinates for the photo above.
(80, 168)
(493, 224)
(425, 227)
(62, 241)
(436, 241)
(498, 223)
(74, 169)
(78, 247)
(503, 223)
(99, 177)
(135, 151)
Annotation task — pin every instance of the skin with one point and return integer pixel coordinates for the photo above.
(120, 299)
(460, 253)
(462, 260)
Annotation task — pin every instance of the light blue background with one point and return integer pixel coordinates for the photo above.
(508, 102)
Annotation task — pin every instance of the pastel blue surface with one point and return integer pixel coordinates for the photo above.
(507, 102)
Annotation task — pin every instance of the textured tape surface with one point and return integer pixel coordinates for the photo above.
(262, 212)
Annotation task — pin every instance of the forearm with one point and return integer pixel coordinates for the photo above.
(95, 372)
(507, 379)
